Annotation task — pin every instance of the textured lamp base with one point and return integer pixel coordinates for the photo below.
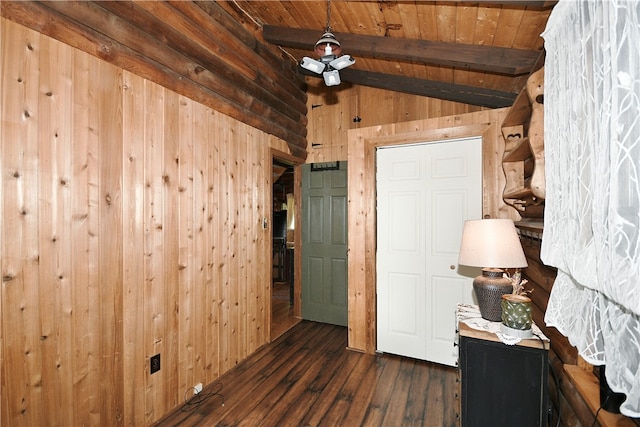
(489, 289)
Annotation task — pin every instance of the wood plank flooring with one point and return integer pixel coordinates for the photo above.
(307, 377)
(282, 318)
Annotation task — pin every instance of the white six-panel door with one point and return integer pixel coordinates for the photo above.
(425, 192)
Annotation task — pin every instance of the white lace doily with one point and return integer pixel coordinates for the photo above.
(470, 316)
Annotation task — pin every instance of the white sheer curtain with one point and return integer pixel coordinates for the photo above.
(592, 158)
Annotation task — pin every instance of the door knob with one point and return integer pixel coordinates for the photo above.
(452, 267)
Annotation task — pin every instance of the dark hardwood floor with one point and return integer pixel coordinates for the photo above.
(308, 377)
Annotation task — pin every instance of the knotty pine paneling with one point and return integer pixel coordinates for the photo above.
(333, 112)
(130, 225)
(361, 157)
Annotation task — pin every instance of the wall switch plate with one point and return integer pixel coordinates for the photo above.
(154, 364)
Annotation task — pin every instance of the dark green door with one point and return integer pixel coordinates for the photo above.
(324, 245)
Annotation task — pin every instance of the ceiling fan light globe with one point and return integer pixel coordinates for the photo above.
(331, 78)
(312, 65)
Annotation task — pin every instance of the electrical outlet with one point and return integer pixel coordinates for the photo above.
(154, 363)
(197, 388)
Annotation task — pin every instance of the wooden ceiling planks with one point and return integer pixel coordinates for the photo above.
(410, 20)
(232, 28)
(465, 35)
(496, 23)
(484, 34)
(401, 19)
(529, 31)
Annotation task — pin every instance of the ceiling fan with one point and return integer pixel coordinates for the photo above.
(328, 50)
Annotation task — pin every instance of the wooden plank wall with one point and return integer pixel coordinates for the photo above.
(396, 119)
(333, 112)
(361, 157)
(130, 225)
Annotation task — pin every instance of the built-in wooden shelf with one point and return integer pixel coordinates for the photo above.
(523, 193)
(521, 151)
(520, 111)
(523, 158)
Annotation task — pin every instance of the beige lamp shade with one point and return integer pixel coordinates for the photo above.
(491, 243)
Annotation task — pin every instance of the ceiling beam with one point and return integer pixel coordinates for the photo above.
(446, 91)
(493, 59)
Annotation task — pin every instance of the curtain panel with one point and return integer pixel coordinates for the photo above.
(592, 208)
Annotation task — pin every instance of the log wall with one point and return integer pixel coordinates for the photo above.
(198, 49)
(130, 225)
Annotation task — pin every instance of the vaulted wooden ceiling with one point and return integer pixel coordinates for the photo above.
(477, 53)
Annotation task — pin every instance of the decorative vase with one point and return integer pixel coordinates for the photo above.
(516, 312)
(489, 288)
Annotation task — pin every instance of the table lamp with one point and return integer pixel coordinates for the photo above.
(494, 245)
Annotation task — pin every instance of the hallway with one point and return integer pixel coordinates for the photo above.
(308, 377)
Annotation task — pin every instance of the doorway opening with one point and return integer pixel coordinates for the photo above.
(284, 303)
